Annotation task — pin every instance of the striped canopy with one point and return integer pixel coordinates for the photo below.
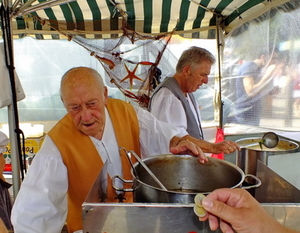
(107, 18)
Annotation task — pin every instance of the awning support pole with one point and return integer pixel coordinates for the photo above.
(220, 48)
(13, 121)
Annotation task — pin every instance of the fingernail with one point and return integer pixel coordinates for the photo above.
(207, 203)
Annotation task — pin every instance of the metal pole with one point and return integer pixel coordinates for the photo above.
(13, 120)
(219, 76)
(15, 161)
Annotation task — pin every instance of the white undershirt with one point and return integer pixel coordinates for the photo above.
(166, 107)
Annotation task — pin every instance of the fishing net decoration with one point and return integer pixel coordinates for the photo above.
(130, 61)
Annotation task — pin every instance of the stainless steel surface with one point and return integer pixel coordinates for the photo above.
(288, 215)
(148, 170)
(163, 218)
(255, 182)
(137, 218)
(270, 139)
(278, 197)
(184, 176)
(253, 144)
(129, 160)
(234, 137)
(274, 188)
(247, 157)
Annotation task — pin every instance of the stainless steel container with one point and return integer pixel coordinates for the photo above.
(175, 217)
(183, 176)
(247, 158)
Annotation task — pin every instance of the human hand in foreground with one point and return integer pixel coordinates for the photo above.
(235, 210)
(184, 146)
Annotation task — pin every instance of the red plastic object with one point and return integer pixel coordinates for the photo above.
(7, 168)
(219, 138)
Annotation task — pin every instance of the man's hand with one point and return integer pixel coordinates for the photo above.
(184, 146)
(226, 147)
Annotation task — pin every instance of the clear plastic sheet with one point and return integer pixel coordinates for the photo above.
(41, 63)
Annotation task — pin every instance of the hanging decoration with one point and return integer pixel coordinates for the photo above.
(130, 61)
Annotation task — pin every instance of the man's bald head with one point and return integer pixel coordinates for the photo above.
(80, 76)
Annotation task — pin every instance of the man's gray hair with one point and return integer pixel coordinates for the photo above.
(194, 55)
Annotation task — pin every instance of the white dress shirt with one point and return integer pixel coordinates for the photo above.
(166, 107)
(41, 204)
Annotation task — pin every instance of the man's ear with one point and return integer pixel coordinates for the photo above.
(186, 70)
(105, 95)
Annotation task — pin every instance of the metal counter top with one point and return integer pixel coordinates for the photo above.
(278, 197)
(274, 188)
(164, 218)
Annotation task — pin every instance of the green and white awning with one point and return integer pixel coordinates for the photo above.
(105, 18)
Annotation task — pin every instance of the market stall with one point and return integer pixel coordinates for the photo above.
(138, 24)
(130, 40)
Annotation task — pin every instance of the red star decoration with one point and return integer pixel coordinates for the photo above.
(131, 75)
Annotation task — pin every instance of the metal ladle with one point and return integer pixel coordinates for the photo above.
(269, 140)
(144, 166)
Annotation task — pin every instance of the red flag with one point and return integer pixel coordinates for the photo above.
(219, 138)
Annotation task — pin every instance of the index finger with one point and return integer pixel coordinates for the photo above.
(226, 195)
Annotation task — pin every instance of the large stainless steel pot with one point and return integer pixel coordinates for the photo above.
(183, 176)
(247, 157)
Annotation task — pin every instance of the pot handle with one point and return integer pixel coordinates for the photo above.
(124, 181)
(254, 185)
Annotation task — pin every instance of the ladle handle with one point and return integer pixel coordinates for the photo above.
(148, 170)
(128, 157)
(252, 144)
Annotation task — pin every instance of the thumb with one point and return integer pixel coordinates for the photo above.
(219, 209)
